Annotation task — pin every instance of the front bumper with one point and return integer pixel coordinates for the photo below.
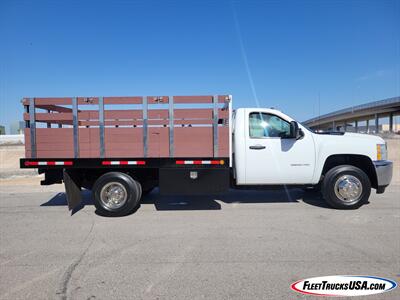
(384, 172)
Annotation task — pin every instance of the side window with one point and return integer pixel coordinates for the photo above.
(263, 125)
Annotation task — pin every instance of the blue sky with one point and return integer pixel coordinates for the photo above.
(285, 54)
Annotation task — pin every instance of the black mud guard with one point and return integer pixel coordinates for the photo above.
(72, 188)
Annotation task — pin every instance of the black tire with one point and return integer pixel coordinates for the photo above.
(140, 194)
(126, 185)
(330, 190)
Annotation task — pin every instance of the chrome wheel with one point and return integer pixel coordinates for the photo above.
(113, 195)
(348, 188)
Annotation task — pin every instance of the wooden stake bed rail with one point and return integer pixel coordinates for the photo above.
(118, 127)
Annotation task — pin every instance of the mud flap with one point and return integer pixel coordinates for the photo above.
(72, 188)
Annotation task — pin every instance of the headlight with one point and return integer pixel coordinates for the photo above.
(381, 152)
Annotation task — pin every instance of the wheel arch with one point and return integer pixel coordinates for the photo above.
(362, 162)
(145, 177)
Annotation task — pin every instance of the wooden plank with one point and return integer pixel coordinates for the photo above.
(199, 113)
(61, 139)
(54, 132)
(223, 98)
(53, 101)
(157, 99)
(223, 141)
(58, 140)
(54, 108)
(89, 142)
(123, 114)
(133, 152)
(158, 142)
(89, 146)
(127, 100)
(223, 114)
(110, 114)
(128, 114)
(88, 100)
(130, 146)
(193, 99)
(193, 122)
(55, 147)
(52, 119)
(158, 114)
(122, 135)
(88, 115)
(44, 117)
(193, 142)
(123, 123)
(110, 123)
(123, 100)
(150, 122)
(55, 154)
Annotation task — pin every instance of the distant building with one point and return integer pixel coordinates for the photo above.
(386, 128)
(383, 128)
(17, 127)
(375, 117)
(21, 127)
(2, 130)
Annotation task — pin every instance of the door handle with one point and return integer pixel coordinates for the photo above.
(257, 147)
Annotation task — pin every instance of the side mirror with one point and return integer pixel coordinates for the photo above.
(295, 131)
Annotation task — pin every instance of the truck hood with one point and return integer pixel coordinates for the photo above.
(372, 138)
(348, 143)
(350, 135)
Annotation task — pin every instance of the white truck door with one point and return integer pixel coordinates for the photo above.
(270, 157)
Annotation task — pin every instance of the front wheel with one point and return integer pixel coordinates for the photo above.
(346, 187)
(116, 194)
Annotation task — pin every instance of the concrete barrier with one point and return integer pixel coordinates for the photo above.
(394, 155)
(12, 139)
(9, 161)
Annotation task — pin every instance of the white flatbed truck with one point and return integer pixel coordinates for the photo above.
(185, 150)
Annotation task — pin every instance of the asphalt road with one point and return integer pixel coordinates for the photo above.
(245, 245)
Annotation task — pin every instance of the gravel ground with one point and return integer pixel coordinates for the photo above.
(243, 245)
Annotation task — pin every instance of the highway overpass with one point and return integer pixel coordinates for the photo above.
(371, 117)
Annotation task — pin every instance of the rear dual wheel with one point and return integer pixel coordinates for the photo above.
(116, 194)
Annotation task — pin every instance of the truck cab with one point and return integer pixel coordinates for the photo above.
(270, 148)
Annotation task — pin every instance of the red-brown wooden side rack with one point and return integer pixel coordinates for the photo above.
(118, 127)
